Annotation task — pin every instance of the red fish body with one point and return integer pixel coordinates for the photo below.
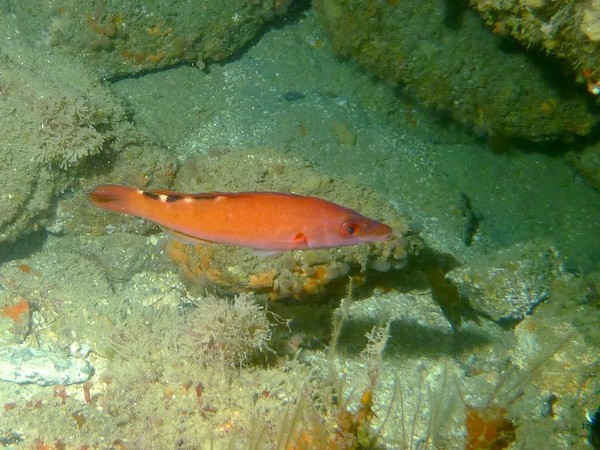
(266, 221)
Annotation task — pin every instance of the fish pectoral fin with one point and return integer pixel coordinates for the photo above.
(185, 238)
(300, 239)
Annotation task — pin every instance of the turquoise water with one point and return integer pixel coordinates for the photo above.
(485, 304)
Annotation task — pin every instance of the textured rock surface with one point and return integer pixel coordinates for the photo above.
(27, 365)
(449, 61)
(127, 37)
(587, 162)
(508, 284)
(569, 30)
(51, 122)
(56, 119)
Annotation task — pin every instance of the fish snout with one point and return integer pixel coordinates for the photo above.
(373, 231)
(380, 232)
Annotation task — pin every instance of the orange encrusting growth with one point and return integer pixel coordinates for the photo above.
(17, 312)
(198, 266)
(353, 429)
(262, 280)
(488, 429)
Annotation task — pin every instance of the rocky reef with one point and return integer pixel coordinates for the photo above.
(444, 56)
(58, 122)
(126, 38)
(518, 78)
(567, 30)
(451, 334)
(508, 285)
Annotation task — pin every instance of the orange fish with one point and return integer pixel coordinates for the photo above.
(264, 221)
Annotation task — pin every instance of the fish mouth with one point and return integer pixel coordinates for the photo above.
(387, 233)
(381, 232)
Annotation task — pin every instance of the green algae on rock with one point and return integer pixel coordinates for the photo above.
(54, 118)
(57, 118)
(127, 37)
(449, 61)
(568, 30)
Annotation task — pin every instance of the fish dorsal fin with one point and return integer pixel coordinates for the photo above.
(171, 196)
(168, 196)
(164, 195)
(217, 194)
(212, 195)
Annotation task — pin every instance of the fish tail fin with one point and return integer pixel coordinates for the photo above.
(114, 197)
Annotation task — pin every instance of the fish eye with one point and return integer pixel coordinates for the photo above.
(349, 228)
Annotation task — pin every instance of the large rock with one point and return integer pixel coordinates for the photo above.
(568, 30)
(451, 62)
(317, 274)
(54, 117)
(59, 122)
(509, 284)
(119, 38)
(22, 365)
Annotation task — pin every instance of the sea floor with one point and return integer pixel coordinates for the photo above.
(386, 368)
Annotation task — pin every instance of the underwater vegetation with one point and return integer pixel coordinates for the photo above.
(171, 367)
(51, 121)
(232, 368)
(227, 333)
(188, 359)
